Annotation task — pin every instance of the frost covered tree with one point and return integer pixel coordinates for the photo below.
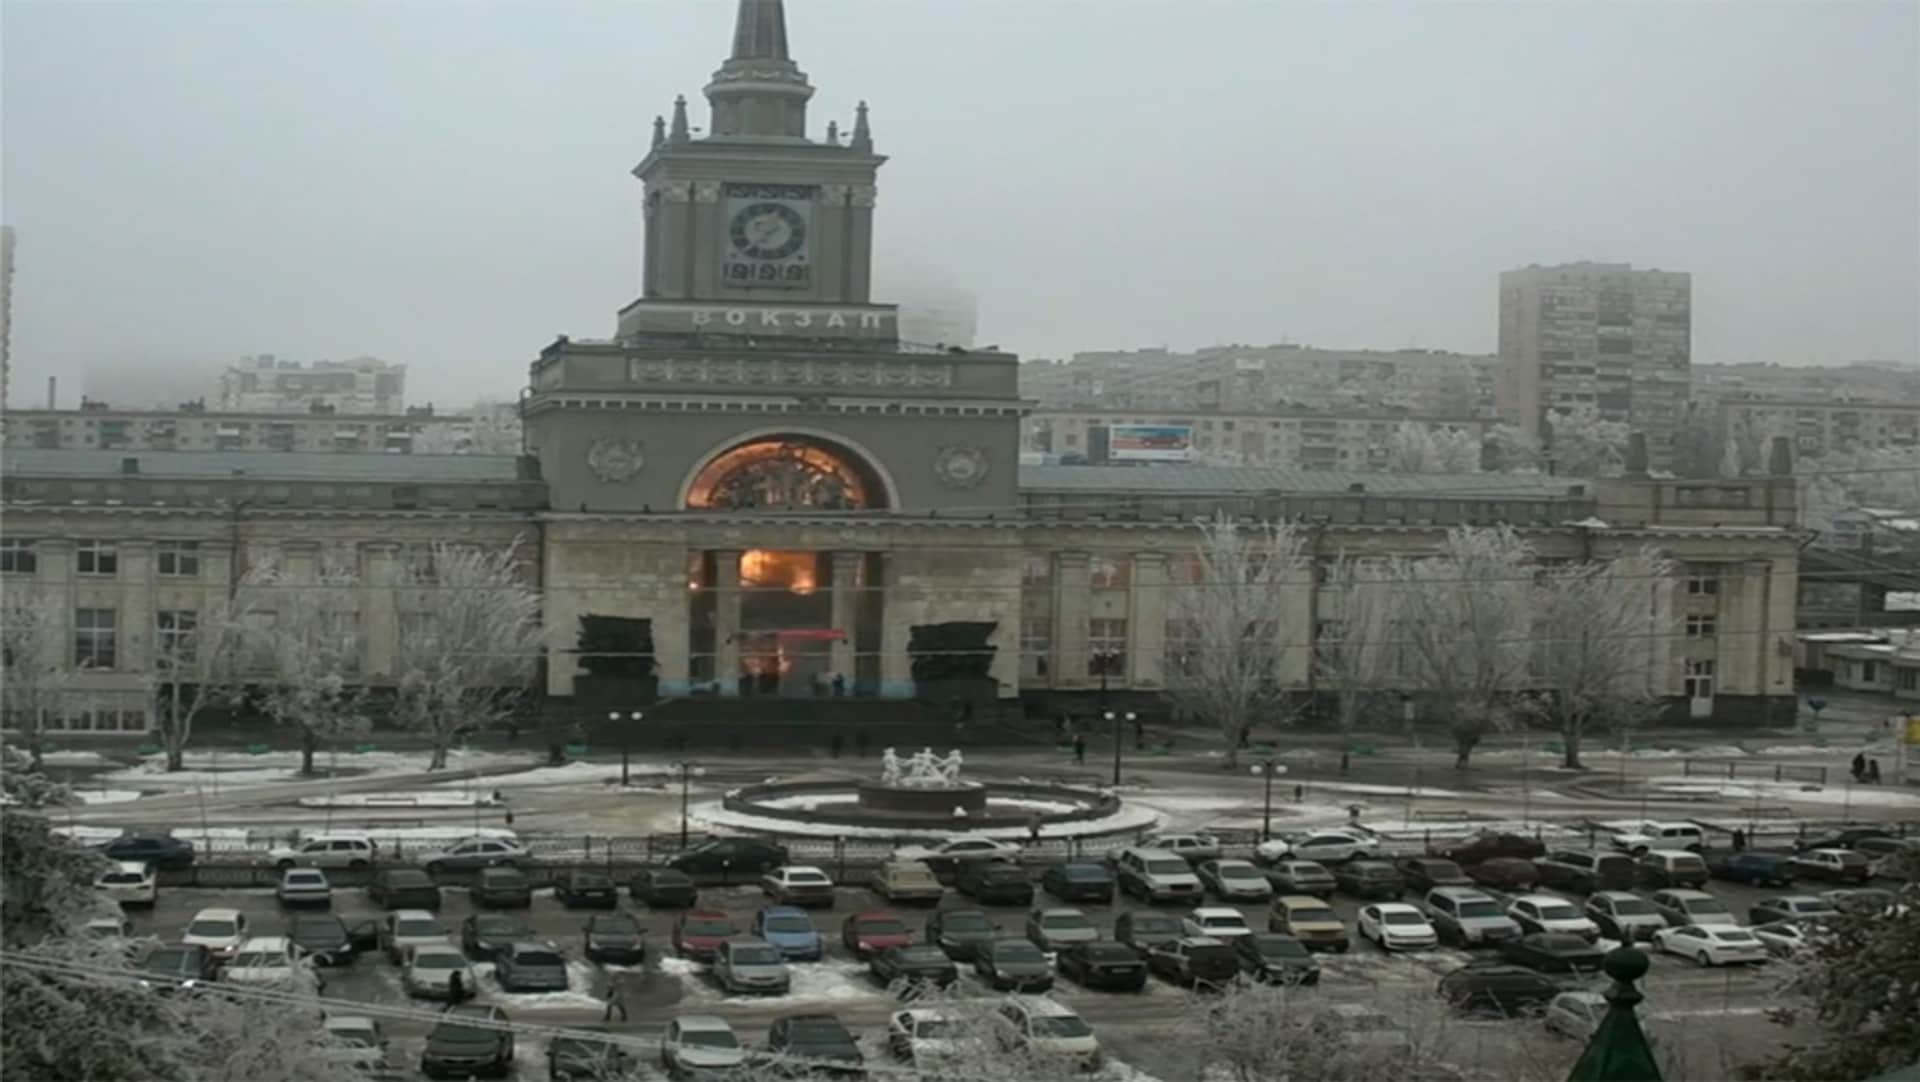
(1356, 651)
(1418, 448)
(470, 638)
(1593, 625)
(1238, 613)
(1581, 443)
(1511, 450)
(1857, 991)
(199, 660)
(1256, 1032)
(1464, 630)
(313, 684)
(35, 683)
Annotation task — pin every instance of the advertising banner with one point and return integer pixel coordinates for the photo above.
(1150, 443)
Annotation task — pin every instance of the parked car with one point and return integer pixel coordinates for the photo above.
(1489, 845)
(946, 858)
(915, 965)
(928, 1039)
(1235, 880)
(1322, 846)
(1369, 879)
(470, 1039)
(355, 1040)
(1104, 964)
(797, 884)
(1155, 875)
(1833, 866)
(269, 961)
(1683, 907)
(1844, 838)
(1548, 913)
(219, 929)
(1759, 869)
(1309, 920)
(487, 935)
(1195, 961)
(1624, 915)
(577, 888)
(614, 937)
(472, 854)
(1277, 959)
(1193, 848)
(1220, 922)
(736, 858)
(587, 1055)
(330, 850)
(163, 851)
(1301, 877)
(427, 971)
(903, 882)
(1510, 874)
(329, 941)
(1553, 952)
(403, 888)
(790, 930)
(664, 888)
(1464, 917)
(303, 886)
(503, 886)
(531, 967)
(815, 1045)
(1396, 926)
(128, 882)
(1053, 929)
(1422, 874)
(1637, 838)
(1710, 945)
(1497, 988)
(178, 968)
(1790, 907)
(1013, 965)
(1889, 858)
(699, 932)
(405, 928)
(111, 925)
(1672, 868)
(1785, 938)
(1035, 1024)
(750, 965)
(1586, 870)
(874, 930)
(960, 932)
(995, 883)
(1079, 881)
(700, 1043)
(1575, 1014)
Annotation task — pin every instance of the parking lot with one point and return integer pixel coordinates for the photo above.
(1133, 1027)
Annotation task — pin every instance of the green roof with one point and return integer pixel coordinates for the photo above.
(265, 465)
(1210, 480)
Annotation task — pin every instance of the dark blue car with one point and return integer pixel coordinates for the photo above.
(1760, 869)
(159, 850)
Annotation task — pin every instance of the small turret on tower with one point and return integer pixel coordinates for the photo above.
(681, 132)
(862, 134)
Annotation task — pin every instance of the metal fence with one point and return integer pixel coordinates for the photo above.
(1733, 769)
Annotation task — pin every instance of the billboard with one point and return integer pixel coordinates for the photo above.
(1150, 443)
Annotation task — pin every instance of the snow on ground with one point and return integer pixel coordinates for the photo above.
(569, 774)
(1388, 790)
(1787, 792)
(73, 758)
(232, 839)
(580, 983)
(811, 801)
(216, 770)
(714, 816)
(107, 796)
(418, 798)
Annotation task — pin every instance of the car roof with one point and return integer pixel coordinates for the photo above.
(704, 1022)
(706, 914)
(521, 946)
(291, 872)
(1462, 894)
(1041, 1005)
(348, 1021)
(1672, 853)
(1144, 852)
(815, 869)
(136, 866)
(1296, 901)
(1617, 895)
(1200, 941)
(1231, 862)
(1539, 897)
(417, 914)
(218, 912)
(264, 943)
(783, 911)
(1686, 894)
(442, 948)
(1215, 911)
(1395, 907)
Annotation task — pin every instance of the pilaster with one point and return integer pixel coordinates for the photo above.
(726, 620)
(55, 583)
(1147, 622)
(380, 574)
(846, 609)
(1072, 595)
(896, 668)
(134, 624)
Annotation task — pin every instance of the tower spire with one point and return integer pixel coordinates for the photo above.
(759, 92)
(681, 133)
(659, 130)
(862, 134)
(760, 31)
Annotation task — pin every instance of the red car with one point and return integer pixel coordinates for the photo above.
(874, 931)
(699, 932)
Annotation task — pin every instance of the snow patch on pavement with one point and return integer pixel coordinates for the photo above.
(715, 816)
(425, 798)
(575, 773)
(1787, 792)
(236, 769)
(106, 796)
(73, 758)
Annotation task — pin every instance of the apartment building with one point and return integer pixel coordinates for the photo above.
(1820, 426)
(101, 428)
(1296, 440)
(267, 384)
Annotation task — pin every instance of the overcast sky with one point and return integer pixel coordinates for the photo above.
(446, 184)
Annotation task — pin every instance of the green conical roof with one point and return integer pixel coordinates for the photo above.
(1619, 1051)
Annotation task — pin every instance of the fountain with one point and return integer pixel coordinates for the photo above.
(923, 786)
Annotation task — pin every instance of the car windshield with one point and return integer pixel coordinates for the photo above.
(306, 879)
(1223, 920)
(1309, 871)
(709, 1038)
(1282, 948)
(806, 877)
(1210, 952)
(1088, 873)
(1810, 905)
(353, 1038)
(819, 1033)
(1311, 913)
(537, 958)
(172, 960)
(1479, 909)
(790, 923)
(1016, 952)
(213, 928)
(755, 956)
(1154, 924)
(1559, 911)
(1631, 907)
(419, 928)
(440, 960)
(615, 926)
(923, 955)
(967, 922)
(1239, 871)
(934, 1028)
(1060, 1025)
(1399, 916)
(261, 960)
(882, 927)
(708, 926)
(1064, 920)
(1703, 905)
(1853, 860)
(593, 880)
(1166, 867)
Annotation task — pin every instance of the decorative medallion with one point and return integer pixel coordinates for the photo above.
(960, 467)
(615, 461)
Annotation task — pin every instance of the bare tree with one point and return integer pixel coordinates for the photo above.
(1582, 443)
(198, 664)
(470, 638)
(1257, 1032)
(1464, 630)
(313, 685)
(1594, 624)
(1356, 651)
(35, 683)
(1239, 620)
(1513, 451)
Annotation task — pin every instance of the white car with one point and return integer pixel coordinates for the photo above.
(1551, 913)
(798, 884)
(129, 882)
(1397, 926)
(960, 850)
(1325, 846)
(1710, 945)
(1638, 838)
(270, 961)
(1041, 1025)
(354, 1041)
(1784, 938)
(304, 886)
(341, 850)
(1575, 1014)
(696, 1043)
(472, 854)
(1218, 921)
(220, 930)
(925, 1038)
(1194, 847)
(109, 926)
(429, 970)
(408, 928)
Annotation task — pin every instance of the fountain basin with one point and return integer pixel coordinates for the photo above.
(922, 802)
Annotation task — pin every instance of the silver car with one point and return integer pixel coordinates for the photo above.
(751, 965)
(699, 1044)
(531, 967)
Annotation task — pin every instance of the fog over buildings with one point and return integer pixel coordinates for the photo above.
(448, 193)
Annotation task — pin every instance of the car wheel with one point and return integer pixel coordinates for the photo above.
(1705, 959)
(435, 868)
(284, 865)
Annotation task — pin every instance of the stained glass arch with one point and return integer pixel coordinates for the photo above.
(787, 472)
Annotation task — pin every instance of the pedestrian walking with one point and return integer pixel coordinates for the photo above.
(839, 685)
(1873, 771)
(1033, 829)
(456, 988)
(1079, 749)
(616, 995)
(1859, 766)
(1139, 733)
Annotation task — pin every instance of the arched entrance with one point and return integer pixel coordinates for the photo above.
(786, 471)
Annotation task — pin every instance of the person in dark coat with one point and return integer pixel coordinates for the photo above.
(1873, 771)
(1859, 766)
(456, 988)
(1079, 748)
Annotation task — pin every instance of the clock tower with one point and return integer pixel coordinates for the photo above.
(754, 212)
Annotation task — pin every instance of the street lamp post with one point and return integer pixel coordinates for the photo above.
(687, 770)
(1270, 769)
(1115, 719)
(626, 738)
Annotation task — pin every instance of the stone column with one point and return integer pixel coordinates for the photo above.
(1147, 621)
(899, 613)
(380, 622)
(726, 621)
(55, 582)
(846, 610)
(1072, 592)
(135, 622)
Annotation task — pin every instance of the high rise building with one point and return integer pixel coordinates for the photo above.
(267, 384)
(6, 314)
(1602, 335)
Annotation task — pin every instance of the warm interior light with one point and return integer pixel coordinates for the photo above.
(773, 568)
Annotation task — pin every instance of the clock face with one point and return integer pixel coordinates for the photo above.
(766, 241)
(770, 231)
